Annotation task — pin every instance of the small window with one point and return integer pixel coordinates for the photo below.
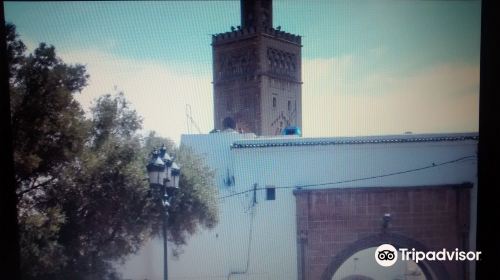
(229, 102)
(289, 105)
(274, 102)
(270, 193)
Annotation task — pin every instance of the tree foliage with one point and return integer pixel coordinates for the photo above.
(48, 129)
(48, 124)
(84, 200)
(195, 203)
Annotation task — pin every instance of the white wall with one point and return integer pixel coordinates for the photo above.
(213, 254)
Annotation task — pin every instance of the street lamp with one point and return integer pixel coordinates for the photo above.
(163, 175)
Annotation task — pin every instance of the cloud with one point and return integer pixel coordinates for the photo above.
(441, 98)
(30, 44)
(326, 76)
(157, 92)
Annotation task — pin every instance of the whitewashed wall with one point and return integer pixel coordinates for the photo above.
(213, 254)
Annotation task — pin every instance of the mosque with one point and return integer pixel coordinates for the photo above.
(294, 207)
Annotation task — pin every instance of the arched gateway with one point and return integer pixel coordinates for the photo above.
(431, 270)
(334, 224)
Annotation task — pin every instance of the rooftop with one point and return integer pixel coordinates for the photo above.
(286, 141)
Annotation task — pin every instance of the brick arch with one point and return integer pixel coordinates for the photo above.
(331, 220)
(431, 270)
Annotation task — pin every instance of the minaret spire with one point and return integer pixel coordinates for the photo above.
(257, 14)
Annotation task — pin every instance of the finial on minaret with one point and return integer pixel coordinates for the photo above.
(257, 14)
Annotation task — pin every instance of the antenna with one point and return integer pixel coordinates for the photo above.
(190, 121)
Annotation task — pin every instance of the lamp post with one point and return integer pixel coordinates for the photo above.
(163, 175)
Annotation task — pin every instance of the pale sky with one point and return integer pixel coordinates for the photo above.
(369, 67)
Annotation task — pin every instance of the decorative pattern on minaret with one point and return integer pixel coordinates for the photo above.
(257, 73)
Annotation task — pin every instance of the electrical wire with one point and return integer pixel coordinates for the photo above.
(433, 165)
(250, 234)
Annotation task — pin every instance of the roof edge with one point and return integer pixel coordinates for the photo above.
(385, 139)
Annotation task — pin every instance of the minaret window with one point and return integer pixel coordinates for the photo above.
(229, 104)
(289, 105)
(274, 102)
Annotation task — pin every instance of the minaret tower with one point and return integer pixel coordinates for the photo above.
(257, 74)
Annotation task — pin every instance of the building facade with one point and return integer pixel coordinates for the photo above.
(298, 208)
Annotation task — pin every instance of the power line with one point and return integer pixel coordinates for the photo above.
(433, 165)
(389, 174)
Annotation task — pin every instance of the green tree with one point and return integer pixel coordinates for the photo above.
(84, 200)
(48, 124)
(48, 130)
(104, 194)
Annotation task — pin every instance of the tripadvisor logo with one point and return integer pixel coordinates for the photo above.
(387, 255)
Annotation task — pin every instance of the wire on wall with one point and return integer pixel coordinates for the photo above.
(432, 165)
(252, 216)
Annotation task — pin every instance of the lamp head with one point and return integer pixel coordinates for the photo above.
(156, 170)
